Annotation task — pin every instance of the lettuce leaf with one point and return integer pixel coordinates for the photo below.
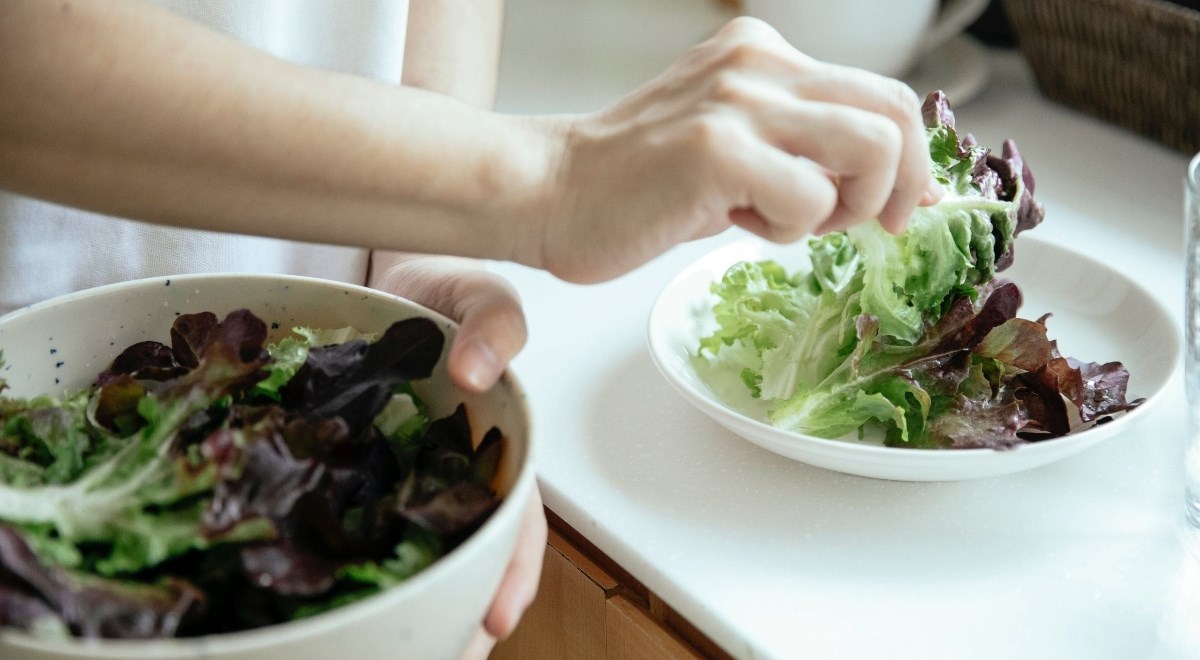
(220, 484)
(912, 334)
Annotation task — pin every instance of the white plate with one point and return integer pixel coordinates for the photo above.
(1099, 315)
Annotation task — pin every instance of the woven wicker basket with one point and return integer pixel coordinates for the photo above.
(1135, 63)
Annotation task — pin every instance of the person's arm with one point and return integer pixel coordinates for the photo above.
(121, 108)
(125, 108)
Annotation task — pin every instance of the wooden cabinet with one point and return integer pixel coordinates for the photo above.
(632, 633)
(587, 608)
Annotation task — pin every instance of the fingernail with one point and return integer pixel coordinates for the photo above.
(483, 367)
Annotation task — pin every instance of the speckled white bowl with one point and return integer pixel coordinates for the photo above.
(63, 343)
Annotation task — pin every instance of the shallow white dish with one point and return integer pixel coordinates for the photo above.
(61, 344)
(1099, 315)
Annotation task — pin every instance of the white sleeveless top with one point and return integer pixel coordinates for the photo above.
(48, 250)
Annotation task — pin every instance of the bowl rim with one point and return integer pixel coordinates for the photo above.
(248, 640)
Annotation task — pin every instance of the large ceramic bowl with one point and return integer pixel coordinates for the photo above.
(63, 343)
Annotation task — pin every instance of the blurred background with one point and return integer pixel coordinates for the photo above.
(1132, 63)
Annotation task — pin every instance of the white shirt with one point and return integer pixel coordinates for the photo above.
(48, 250)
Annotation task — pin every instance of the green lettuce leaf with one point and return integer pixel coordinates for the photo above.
(909, 333)
(219, 484)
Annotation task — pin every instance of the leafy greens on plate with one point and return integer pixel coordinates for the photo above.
(223, 483)
(912, 334)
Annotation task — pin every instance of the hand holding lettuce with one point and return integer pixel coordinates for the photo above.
(913, 334)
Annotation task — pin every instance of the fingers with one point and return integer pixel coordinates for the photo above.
(487, 308)
(786, 197)
(741, 129)
(892, 101)
(865, 130)
(519, 585)
(861, 148)
(491, 331)
(815, 166)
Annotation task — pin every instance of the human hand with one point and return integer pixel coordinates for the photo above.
(743, 130)
(519, 586)
(491, 331)
(488, 310)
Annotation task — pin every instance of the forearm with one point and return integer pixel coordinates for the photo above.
(125, 109)
(452, 48)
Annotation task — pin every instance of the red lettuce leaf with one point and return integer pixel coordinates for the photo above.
(1036, 393)
(1104, 390)
(22, 609)
(332, 491)
(453, 511)
(268, 481)
(983, 378)
(189, 334)
(289, 568)
(354, 380)
(230, 360)
(147, 360)
(93, 606)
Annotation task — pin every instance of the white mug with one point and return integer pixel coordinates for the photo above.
(884, 36)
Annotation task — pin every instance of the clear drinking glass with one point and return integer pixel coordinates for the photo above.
(1192, 332)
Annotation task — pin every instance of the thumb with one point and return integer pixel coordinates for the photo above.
(491, 330)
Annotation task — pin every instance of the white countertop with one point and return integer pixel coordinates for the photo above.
(773, 558)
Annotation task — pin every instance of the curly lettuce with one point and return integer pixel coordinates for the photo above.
(902, 332)
(222, 483)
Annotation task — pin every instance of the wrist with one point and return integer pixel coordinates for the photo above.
(462, 180)
(532, 186)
